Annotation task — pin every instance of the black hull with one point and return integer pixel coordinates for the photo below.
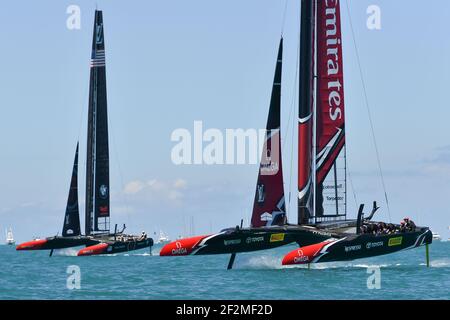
(248, 240)
(115, 246)
(365, 246)
(118, 247)
(352, 247)
(245, 240)
(104, 244)
(53, 243)
(62, 242)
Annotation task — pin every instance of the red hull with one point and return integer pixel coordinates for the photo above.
(32, 245)
(182, 247)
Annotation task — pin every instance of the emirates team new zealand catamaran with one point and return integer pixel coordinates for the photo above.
(323, 231)
(97, 238)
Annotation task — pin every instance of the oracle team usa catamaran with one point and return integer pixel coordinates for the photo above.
(97, 238)
(323, 231)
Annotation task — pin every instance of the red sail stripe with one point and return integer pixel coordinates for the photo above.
(330, 82)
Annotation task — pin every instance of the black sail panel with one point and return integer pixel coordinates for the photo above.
(305, 117)
(71, 226)
(269, 207)
(97, 171)
(101, 192)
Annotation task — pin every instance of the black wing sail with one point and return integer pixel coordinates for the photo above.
(97, 170)
(71, 225)
(269, 207)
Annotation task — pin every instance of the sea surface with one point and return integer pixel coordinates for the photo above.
(259, 275)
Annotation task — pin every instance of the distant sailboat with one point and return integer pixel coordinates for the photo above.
(437, 236)
(98, 238)
(9, 237)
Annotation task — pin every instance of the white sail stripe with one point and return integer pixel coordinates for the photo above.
(324, 251)
(271, 133)
(416, 244)
(322, 156)
(281, 203)
(306, 119)
(304, 191)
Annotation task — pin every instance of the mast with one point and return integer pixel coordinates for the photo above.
(71, 226)
(97, 158)
(305, 117)
(269, 203)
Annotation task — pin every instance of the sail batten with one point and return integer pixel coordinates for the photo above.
(269, 203)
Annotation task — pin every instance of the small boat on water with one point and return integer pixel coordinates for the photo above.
(10, 237)
(98, 238)
(437, 236)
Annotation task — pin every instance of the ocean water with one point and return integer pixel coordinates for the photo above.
(258, 275)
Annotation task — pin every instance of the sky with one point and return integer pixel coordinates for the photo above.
(170, 63)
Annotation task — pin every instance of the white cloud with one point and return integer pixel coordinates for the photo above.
(440, 169)
(134, 187)
(180, 184)
(29, 204)
(156, 185)
(169, 190)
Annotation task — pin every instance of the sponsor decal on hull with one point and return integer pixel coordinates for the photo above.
(254, 239)
(301, 258)
(277, 237)
(232, 242)
(179, 250)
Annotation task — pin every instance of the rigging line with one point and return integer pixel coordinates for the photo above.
(353, 188)
(284, 17)
(125, 197)
(366, 100)
(291, 124)
(294, 95)
(83, 108)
